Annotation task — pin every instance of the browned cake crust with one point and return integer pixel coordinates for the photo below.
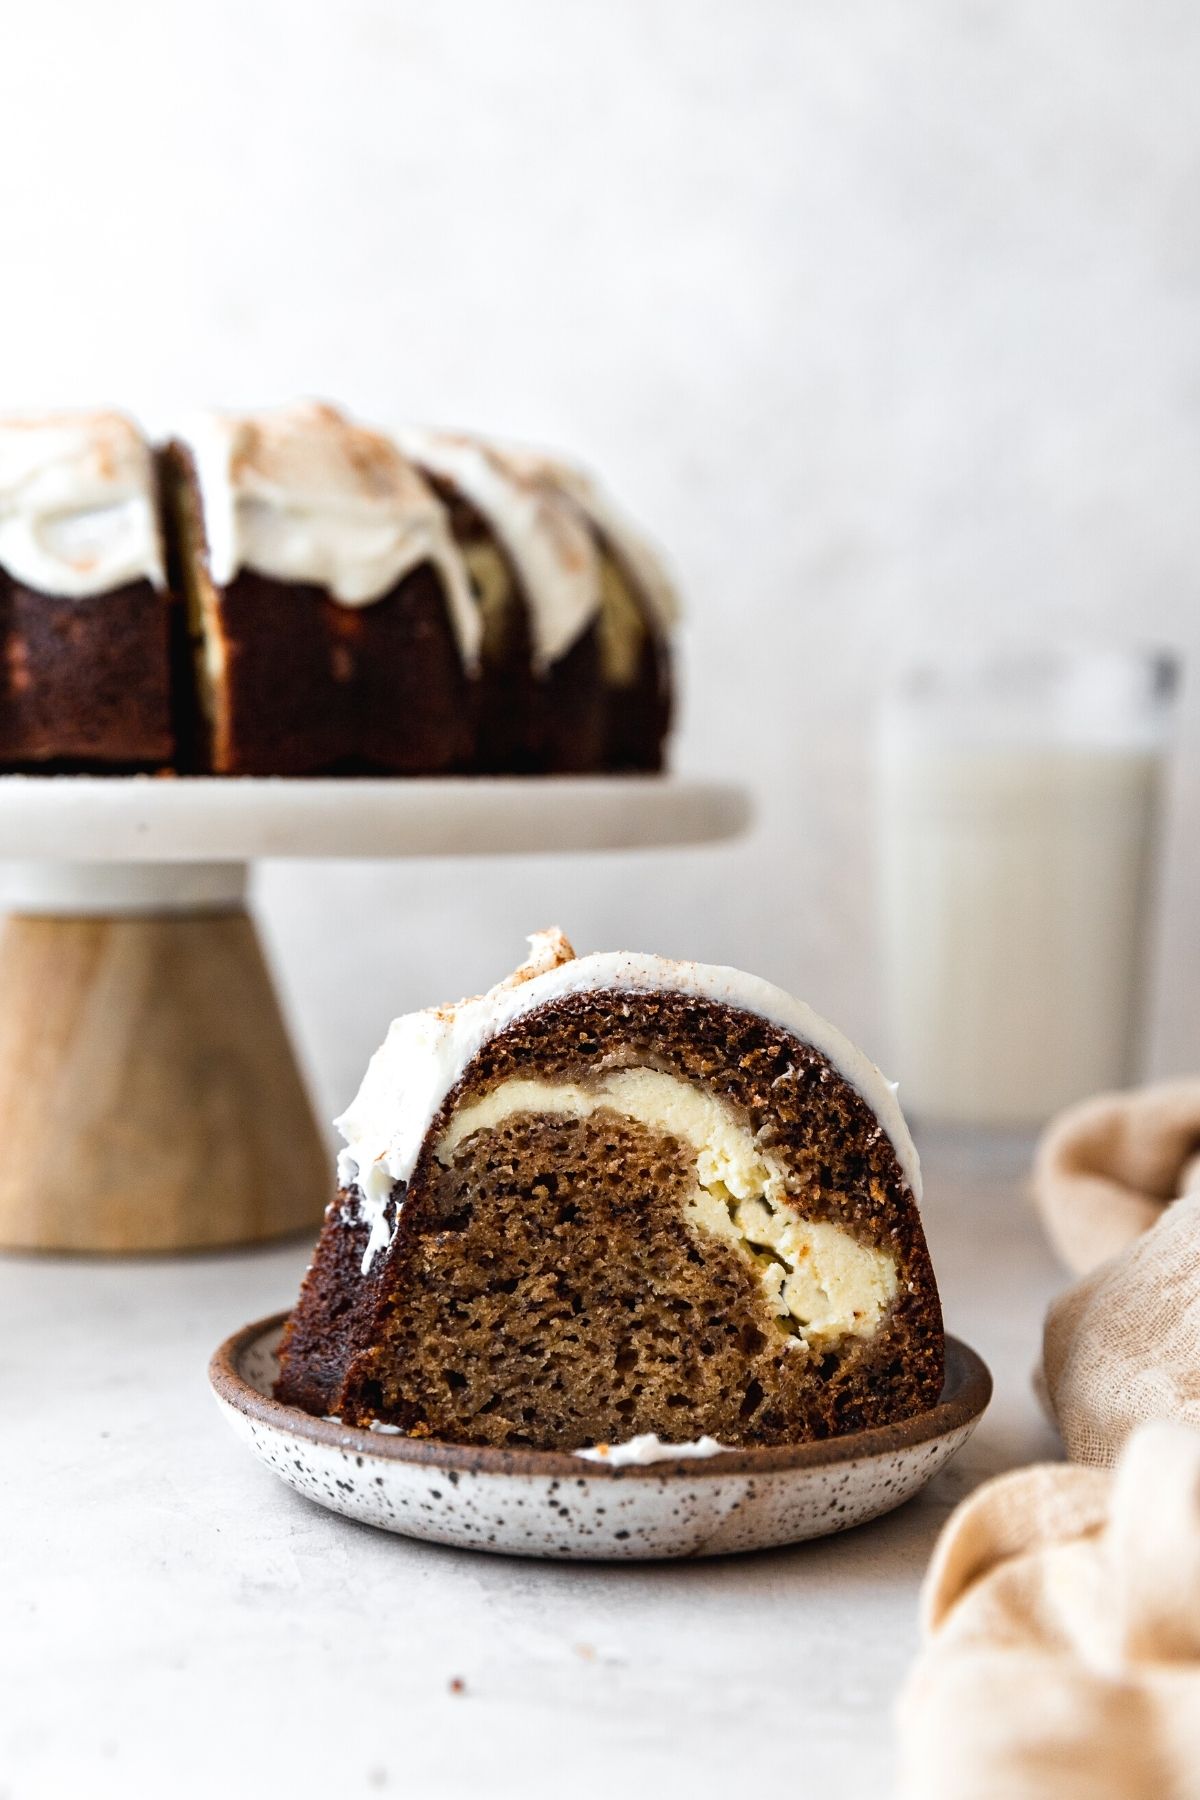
(292, 683)
(639, 713)
(636, 661)
(85, 683)
(528, 724)
(570, 711)
(546, 1290)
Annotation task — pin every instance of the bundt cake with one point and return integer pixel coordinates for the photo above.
(85, 616)
(617, 1198)
(289, 593)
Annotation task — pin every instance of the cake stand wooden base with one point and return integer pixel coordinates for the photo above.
(149, 1095)
(149, 1098)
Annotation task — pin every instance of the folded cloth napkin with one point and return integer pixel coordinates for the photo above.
(1123, 1344)
(1107, 1169)
(1061, 1627)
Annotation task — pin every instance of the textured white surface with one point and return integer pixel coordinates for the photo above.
(176, 1621)
(884, 320)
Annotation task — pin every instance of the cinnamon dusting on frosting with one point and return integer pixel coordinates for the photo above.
(538, 526)
(78, 504)
(548, 949)
(425, 1054)
(303, 494)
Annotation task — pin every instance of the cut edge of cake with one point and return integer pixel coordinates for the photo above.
(589, 1120)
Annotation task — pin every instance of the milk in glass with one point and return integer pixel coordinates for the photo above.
(1019, 805)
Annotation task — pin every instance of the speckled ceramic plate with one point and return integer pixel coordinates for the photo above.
(549, 1503)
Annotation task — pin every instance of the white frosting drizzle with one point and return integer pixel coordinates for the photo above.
(425, 1053)
(78, 505)
(303, 494)
(644, 565)
(650, 1448)
(537, 525)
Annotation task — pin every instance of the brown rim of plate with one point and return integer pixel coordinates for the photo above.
(965, 1395)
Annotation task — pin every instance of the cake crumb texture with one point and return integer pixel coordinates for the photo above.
(549, 1286)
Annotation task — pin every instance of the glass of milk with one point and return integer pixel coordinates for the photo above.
(1019, 797)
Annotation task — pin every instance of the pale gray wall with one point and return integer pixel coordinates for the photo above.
(885, 317)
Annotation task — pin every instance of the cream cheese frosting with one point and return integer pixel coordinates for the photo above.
(537, 524)
(647, 1448)
(303, 494)
(645, 566)
(820, 1284)
(425, 1053)
(78, 504)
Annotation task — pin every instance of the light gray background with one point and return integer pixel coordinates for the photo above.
(884, 318)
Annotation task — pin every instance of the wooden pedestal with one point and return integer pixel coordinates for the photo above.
(149, 1097)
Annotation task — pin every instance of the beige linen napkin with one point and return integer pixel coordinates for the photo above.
(1106, 1170)
(1061, 1619)
(1123, 1344)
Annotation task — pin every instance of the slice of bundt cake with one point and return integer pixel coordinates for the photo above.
(619, 1195)
(85, 617)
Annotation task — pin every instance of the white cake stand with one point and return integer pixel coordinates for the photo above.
(149, 1093)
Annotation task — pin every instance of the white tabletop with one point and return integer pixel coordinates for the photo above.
(175, 1622)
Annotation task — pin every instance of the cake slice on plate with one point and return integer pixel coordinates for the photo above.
(616, 1196)
(85, 617)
